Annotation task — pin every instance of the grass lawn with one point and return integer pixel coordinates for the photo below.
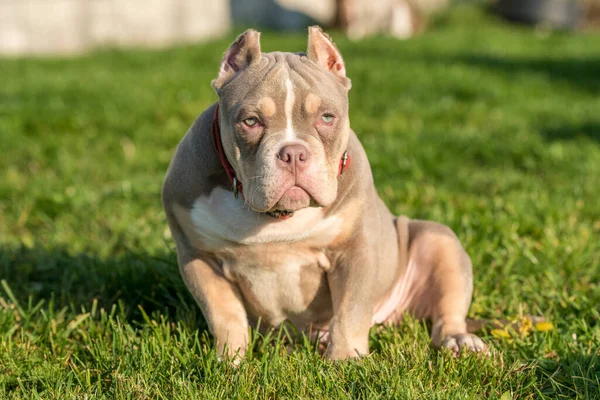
(490, 128)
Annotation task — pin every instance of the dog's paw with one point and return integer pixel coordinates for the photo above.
(234, 361)
(456, 343)
(345, 353)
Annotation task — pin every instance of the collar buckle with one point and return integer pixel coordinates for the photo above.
(235, 187)
(344, 162)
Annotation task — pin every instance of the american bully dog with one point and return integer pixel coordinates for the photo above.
(271, 203)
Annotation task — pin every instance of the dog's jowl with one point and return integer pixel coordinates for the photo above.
(271, 202)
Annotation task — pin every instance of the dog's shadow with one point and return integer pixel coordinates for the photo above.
(134, 283)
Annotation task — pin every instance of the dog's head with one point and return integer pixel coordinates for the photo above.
(284, 121)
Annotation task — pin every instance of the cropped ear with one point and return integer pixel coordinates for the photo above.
(242, 53)
(323, 52)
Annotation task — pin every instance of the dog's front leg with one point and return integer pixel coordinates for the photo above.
(352, 298)
(220, 302)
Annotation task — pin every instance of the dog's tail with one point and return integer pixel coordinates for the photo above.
(477, 325)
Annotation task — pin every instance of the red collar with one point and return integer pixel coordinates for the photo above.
(215, 132)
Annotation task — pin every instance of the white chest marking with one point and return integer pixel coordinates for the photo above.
(290, 98)
(220, 218)
(277, 290)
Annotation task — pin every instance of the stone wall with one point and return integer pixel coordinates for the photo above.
(72, 26)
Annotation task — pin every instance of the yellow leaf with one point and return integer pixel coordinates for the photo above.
(544, 326)
(500, 333)
(525, 327)
(506, 396)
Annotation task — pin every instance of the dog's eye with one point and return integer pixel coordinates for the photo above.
(327, 118)
(252, 121)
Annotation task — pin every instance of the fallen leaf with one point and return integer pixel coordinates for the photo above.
(500, 333)
(544, 326)
(506, 396)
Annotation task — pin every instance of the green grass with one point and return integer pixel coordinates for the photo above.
(490, 128)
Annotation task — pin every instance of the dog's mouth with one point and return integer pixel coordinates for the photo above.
(293, 199)
(280, 214)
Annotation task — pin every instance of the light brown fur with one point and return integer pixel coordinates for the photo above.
(267, 106)
(312, 103)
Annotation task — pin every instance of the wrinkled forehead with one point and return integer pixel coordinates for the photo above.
(267, 83)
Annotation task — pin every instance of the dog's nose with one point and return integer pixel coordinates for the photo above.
(294, 156)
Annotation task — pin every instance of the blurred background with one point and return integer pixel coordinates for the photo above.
(480, 115)
(72, 26)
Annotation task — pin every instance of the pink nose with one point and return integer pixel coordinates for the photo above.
(293, 156)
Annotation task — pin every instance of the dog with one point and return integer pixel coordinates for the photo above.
(271, 204)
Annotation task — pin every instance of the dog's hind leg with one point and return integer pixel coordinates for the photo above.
(439, 283)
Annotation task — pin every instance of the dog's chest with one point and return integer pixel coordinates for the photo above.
(278, 265)
(280, 282)
(220, 221)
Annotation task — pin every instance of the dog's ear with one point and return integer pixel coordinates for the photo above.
(323, 52)
(242, 53)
